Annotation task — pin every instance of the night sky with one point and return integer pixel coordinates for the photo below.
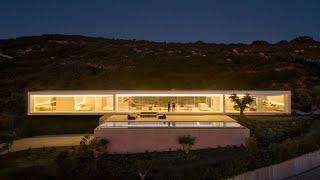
(223, 21)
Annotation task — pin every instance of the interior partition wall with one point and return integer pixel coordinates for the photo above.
(217, 102)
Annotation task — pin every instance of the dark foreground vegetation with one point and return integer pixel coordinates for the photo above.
(275, 129)
(290, 139)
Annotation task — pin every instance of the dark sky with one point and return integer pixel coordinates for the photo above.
(222, 21)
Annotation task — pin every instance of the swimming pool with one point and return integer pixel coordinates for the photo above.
(171, 124)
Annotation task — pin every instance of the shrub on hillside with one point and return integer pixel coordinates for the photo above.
(267, 130)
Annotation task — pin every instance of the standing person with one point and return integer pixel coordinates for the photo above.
(173, 106)
(168, 106)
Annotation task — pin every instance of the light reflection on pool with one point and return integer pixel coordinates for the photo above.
(193, 124)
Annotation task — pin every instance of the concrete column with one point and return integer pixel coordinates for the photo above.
(287, 103)
(30, 104)
(224, 104)
(114, 103)
(259, 103)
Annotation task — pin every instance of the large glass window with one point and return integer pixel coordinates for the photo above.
(273, 103)
(71, 103)
(229, 105)
(84, 103)
(261, 103)
(197, 103)
(43, 103)
(104, 103)
(157, 103)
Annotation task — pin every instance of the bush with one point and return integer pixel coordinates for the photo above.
(91, 145)
(6, 136)
(292, 148)
(186, 142)
(274, 129)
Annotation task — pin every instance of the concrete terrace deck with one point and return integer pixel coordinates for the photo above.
(175, 118)
(153, 134)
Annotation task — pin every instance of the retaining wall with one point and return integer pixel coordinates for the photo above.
(135, 140)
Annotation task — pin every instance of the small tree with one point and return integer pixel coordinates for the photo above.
(6, 147)
(96, 147)
(241, 103)
(8, 142)
(315, 94)
(187, 142)
(143, 168)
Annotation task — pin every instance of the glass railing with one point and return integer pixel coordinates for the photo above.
(178, 124)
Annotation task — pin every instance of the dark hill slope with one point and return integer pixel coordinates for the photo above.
(78, 62)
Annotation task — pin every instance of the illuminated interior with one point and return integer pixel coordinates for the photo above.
(262, 103)
(117, 102)
(71, 103)
(169, 103)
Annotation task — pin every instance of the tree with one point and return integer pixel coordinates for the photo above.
(8, 142)
(94, 146)
(6, 147)
(187, 142)
(14, 108)
(241, 103)
(315, 94)
(143, 168)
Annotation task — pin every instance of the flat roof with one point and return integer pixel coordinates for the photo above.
(173, 92)
(174, 118)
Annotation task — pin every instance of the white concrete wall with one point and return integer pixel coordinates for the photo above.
(136, 140)
(283, 170)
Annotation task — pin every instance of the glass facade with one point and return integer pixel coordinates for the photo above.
(90, 103)
(71, 103)
(262, 103)
(180, 103)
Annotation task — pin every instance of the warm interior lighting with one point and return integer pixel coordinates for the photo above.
(181, 102)
(168, 95)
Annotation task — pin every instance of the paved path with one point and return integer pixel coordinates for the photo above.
(46, 141)
(313, 174)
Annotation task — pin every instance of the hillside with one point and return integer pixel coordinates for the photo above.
(78, 62)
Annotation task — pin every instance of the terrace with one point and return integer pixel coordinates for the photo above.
(171, 121)
(151, 133)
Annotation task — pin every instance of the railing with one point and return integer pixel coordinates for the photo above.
(172, 124)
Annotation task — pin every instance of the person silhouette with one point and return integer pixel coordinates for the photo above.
(173, 106)
(168, 106)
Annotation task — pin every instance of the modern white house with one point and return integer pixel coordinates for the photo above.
(169, 102)
(138, 121)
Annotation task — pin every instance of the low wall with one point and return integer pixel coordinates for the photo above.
(135, 140)
(283, 170)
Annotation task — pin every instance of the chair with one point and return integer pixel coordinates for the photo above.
(131, 117)
(163, 116)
